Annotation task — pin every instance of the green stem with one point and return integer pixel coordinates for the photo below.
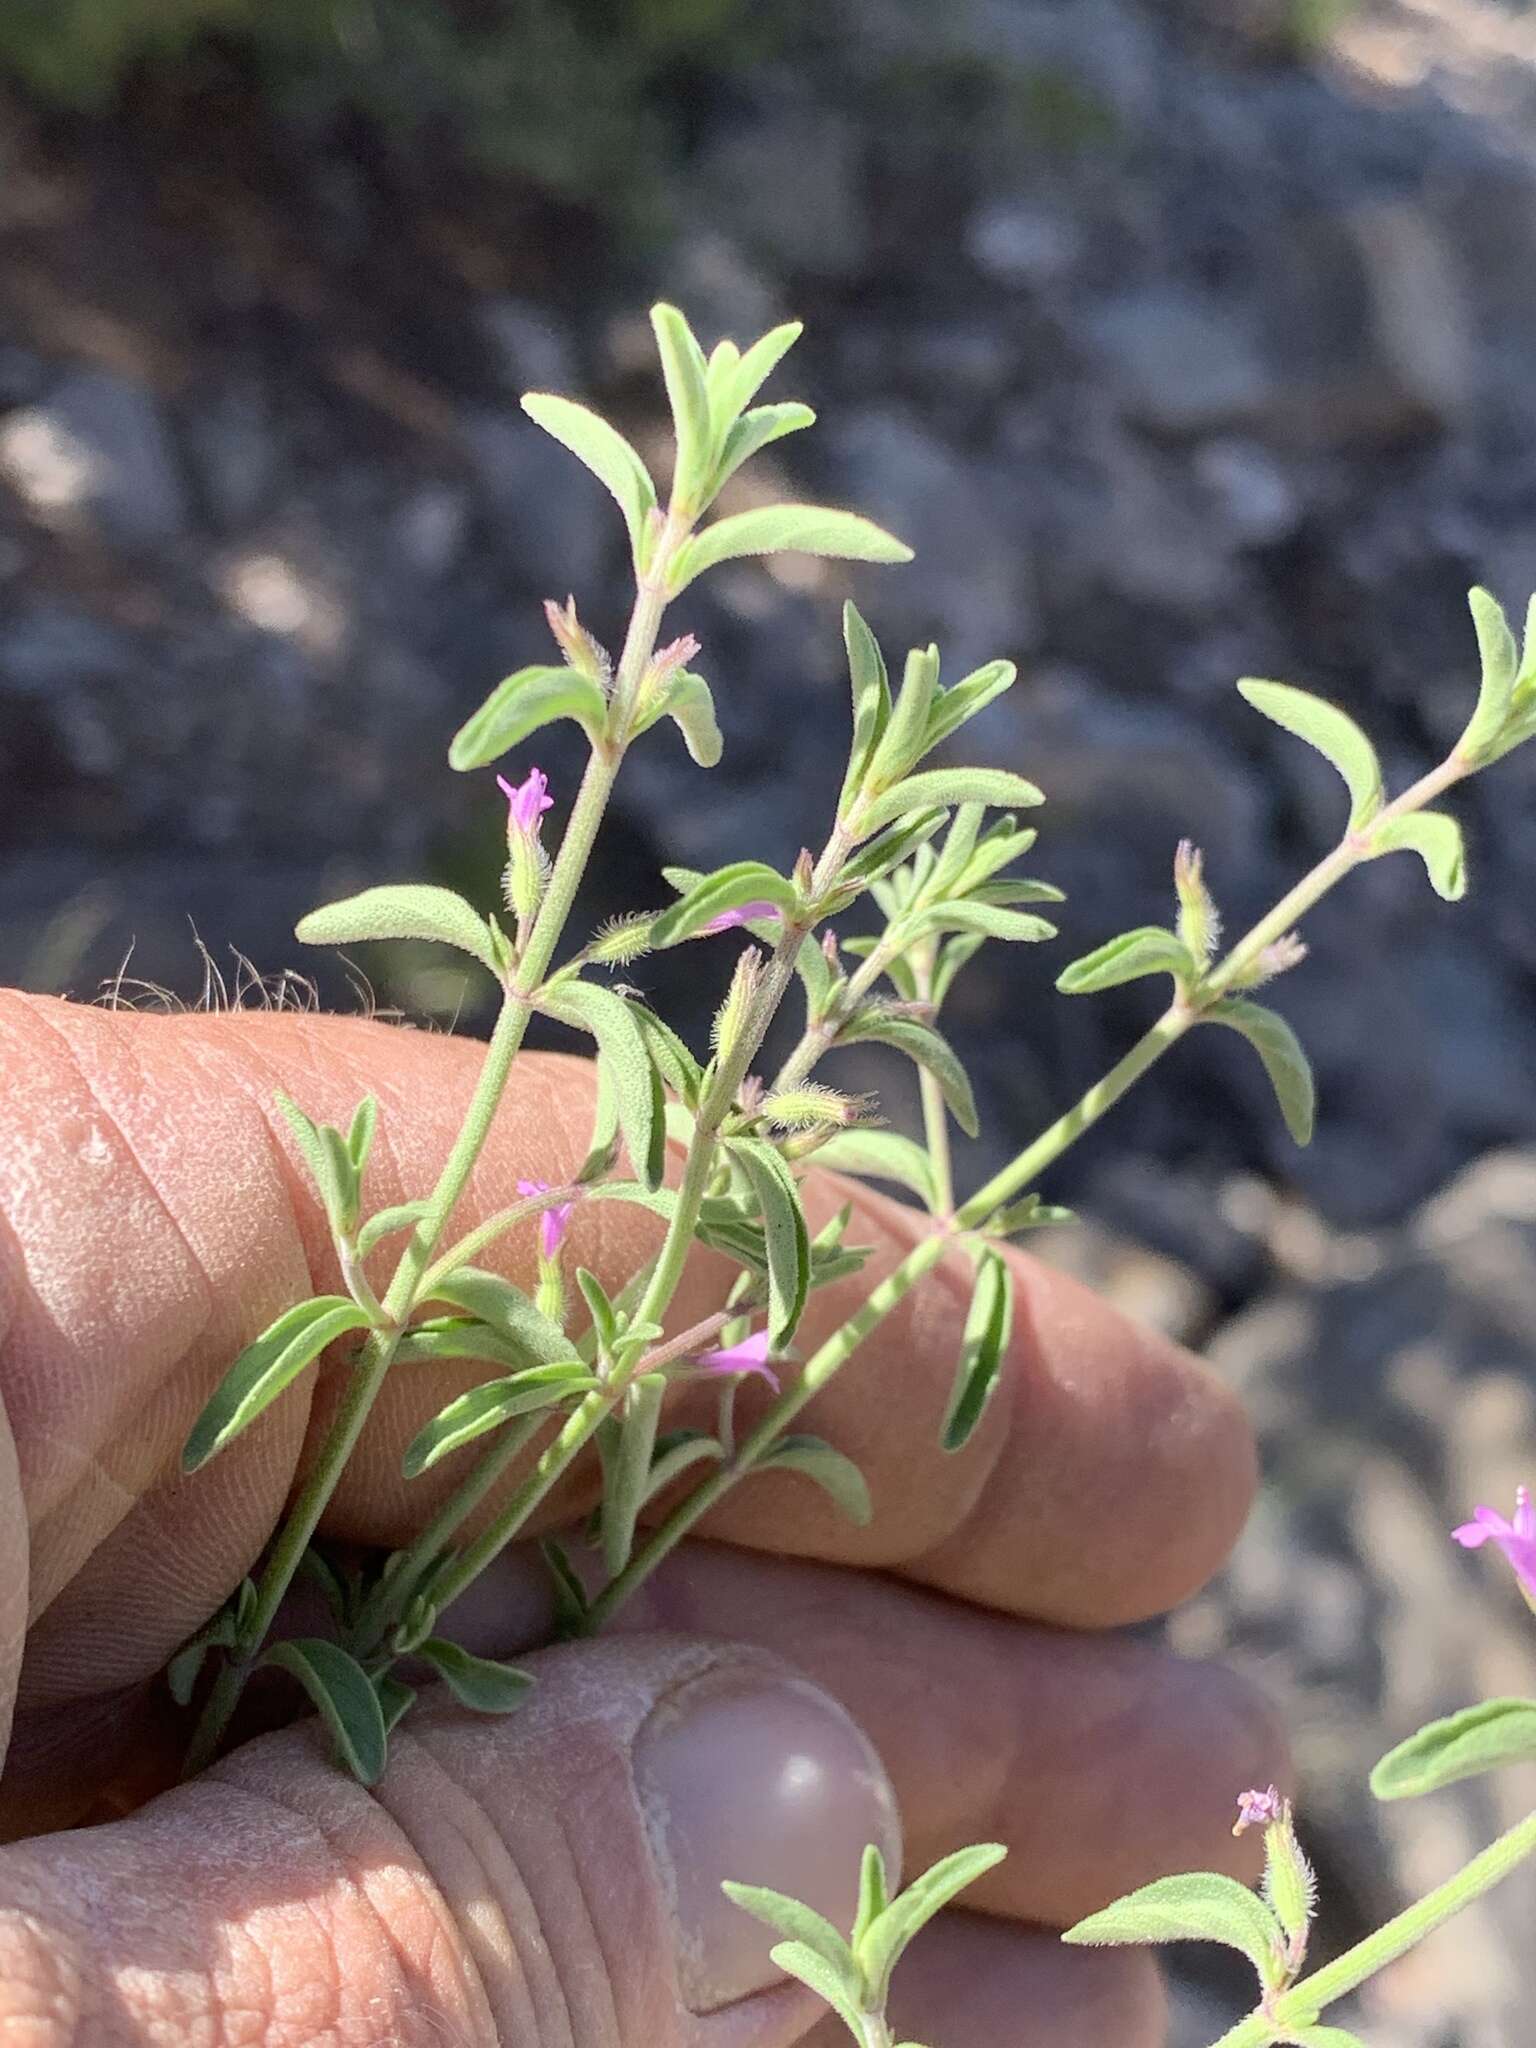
(1300, 2005)
(935, 1111)
(819, 1038)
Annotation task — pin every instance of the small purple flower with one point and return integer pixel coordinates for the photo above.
(526, 803)
(1517, 1539)
(749, 1356)
(1260, 1809)
(744, 913)
(553, 1221)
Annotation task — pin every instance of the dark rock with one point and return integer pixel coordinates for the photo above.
(97, 450)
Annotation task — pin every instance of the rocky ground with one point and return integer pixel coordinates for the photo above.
(1177, 357)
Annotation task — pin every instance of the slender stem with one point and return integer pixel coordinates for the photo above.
(874, 2030)
(935, 1111)
(820, 1037)
(476, 1240)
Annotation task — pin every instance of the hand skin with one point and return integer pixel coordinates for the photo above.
(550, 1880)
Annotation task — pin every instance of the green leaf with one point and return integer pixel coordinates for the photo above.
(1323, 2037)
(789, 1245)
(796, 1922)
(508, 1311)
(749, 435)
(627, 1471)
(443, 1337)
(570, 1595)
(948, 786)
(691, 708)
(365, 1121)
(386, 1221)
(476, 1413)
(606, 453)
(759, 364)
(1332, 732)
(920, 1042)
(1480, 1738)
(332, 1171)
(881, 1155)
(1288, 1068)
(990, 920)
(605, 1317)
(343, 1179)
(984, 1346)
(797, 1959)
(876, 859)
(874, 1893)
(521, 704)
(1199, 1906)
(678, 1452)
(1501, 665)
(785, 529)
(623, 1047)
(954, 707)
(1148, 950)
(1436, 838)
(396, 1700)
(728, 888)
(409, 910)
(1028, 1213)
(342, 1693)
(684, 369)
(901, 745)
(953, 955)
(265, 1369)
(871, 698)
(834, 1473)
(675, 1063)
(477, 1682)
(911, 1910)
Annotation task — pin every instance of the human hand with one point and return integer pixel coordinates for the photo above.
(553, 1877)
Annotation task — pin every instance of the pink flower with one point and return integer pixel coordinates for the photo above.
(744, 913)
(749, 1356)
(527, 803)
(1260, 1809)
(552, 1221)
(1517, 1539)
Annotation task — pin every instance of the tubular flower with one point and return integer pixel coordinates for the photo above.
(526, 803)
(744, 913)
(1517, 1539)
(553, 1222)
(749, 1356)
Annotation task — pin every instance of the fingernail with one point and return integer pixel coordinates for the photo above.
(765, 1780)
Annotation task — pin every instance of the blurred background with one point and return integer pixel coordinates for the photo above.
(1183, 339)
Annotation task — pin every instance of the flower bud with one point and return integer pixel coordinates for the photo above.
(1199, 920)
(575, 642)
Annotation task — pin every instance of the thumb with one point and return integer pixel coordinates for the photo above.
(548, 1880)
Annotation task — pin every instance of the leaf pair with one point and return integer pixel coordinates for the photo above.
(853, 1977)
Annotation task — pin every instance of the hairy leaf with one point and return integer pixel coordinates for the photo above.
(901, 745)
(691, 708)
(478, 1682)
(948, 786)
(520, 705)
(760, 362)
(342, 1693)
(911, 1910)
(1464, 1745)
(266, 1369)
(871, 697)
(991, 920)
(1288, 1068)
(628, 1471)
(1332, 732)
(385, 1222)
(874, 1893)
(755, 431)
(409, 910)
(508, 1311)
(476, 1413)
(712, 896)
(1200, 1906)
(956, 706)
(624, 1049)
(1436, 838)
(677, 1452)
(983, 1348)
(683, 368)
(606, 453)
(789, 1247)
(785, 529)
(920, 1042)
(881, 1155)
(1148, 950)
(1501, 664)
(793, 1920)
(796, 1959)
(836, 1474)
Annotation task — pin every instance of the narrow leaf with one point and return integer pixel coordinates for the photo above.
(835, 1474)
(411, 910)
(874, 1893)
(319, 1157)
(755, 431)
(628, 1470)
(789, 1247)
(520, 705)
(911, 1910)
(876, 859)
(343, 1695)
(984, 1346)
(990, 920)
(1481, 1738)
(365, 1121)
(1148, 950)
(570, 1595)
(786, 529)
(265, 1369)
(760, 362)
(443, 1337)
(949, 786)
(678, 1452)
(881, 1155)
(477, 1682)
(508, 1311)
(690, 706)
(920, 1042)
(956, 706)
(901, 745)
(476, 1413)
(1200, 1906)
(605, 452)
(1436, 838)
(684, 370)
(623, 1047)
(712, 896)
(1332, 732)
(871, 697)
(1501, 664)
(796, 1959)
(1288, 1068)
(796, 1922)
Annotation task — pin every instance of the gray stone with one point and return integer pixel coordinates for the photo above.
(98, 452)
(554, 519)
(790, 180)
(236, 452)
(530, 347)
(1182, 359)
(1018, 243)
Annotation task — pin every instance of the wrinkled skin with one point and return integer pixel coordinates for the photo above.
(549, 1880)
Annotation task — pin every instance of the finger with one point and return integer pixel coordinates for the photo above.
(160, 1222)
(1100, 1762)
(970, 1983)
(545, 1880)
